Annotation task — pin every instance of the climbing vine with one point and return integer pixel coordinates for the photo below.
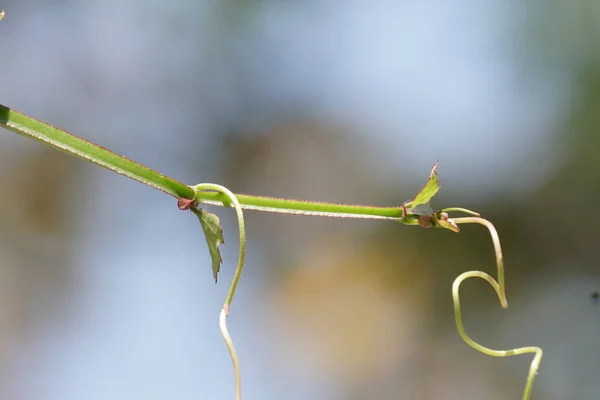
(417, 212)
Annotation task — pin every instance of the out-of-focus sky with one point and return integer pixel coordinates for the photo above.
(106, 287)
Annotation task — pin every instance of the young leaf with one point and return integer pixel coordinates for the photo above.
(429, 190)
(214, 237)
(2, 14)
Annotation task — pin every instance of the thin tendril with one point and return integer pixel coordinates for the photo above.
(460, 209)
(500, 291)
(236, 277)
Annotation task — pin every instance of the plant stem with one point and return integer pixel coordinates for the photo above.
(88, 151)
(74, 145)
(302, 207)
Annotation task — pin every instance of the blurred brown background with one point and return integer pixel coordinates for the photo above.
(105, 287)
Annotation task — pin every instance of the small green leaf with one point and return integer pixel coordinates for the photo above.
(2, 14)
(214, 237)
(429, 190)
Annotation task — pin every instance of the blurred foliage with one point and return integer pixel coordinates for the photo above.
(367, 305)
(35, 247)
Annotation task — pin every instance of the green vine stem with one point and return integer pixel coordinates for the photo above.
(25, 125)
(236, 278)
(500, 291)
(302, 207)
(410, 213)
(88, 151)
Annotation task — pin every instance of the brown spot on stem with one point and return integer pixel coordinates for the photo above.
(185, 204)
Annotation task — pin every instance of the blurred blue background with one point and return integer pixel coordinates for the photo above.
(105, 286)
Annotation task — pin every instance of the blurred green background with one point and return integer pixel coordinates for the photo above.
(105, 287)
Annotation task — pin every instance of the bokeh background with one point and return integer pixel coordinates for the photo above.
(105, 286)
